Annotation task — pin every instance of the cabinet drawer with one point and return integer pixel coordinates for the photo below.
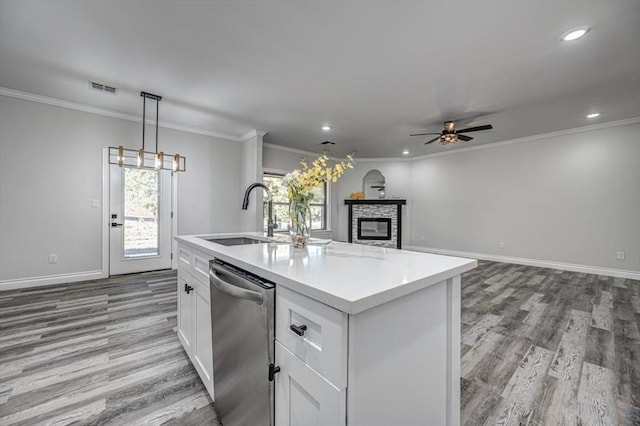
(323, 344)
(200, 263)
(184, 258)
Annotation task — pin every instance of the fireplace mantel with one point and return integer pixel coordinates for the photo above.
(382, 209)
(376, 201)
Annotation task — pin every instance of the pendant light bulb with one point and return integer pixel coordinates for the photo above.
(175, 163)
(120, 155)
(148, 160)
(159, 160)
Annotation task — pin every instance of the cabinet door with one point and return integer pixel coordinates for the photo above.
(185, 310)
(202, 348)
(303, 397)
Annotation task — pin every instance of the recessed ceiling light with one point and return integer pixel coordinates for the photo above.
(594, 115)
(326, 128)
(575, 33)
(405, 152)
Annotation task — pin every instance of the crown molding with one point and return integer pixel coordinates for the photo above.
(306, 153)
(108, 113)
(199, 131)
(297, 151)
(541, 136)
(383, 159)
(252, 134)
(309, 153)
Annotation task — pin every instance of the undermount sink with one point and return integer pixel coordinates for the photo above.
(235, 241)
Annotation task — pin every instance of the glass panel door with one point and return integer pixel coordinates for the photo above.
(141, 208)
(140, 220)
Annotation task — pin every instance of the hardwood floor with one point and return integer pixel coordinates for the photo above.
(100, 352)
(539, 346)
(542, 346)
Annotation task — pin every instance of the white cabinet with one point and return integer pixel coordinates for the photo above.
(323, 342)
(194, 313)
(202, 349)
(395, 363)
(403, 363)
(303, 397)
(311, 351)
(185, 311)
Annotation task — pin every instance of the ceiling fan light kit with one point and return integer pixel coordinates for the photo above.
(450, 135)
(141, 159)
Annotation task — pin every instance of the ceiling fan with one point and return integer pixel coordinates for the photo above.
(451, 135)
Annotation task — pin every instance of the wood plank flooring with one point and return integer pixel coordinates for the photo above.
(97, 352)
(539, 346)
(542, 346)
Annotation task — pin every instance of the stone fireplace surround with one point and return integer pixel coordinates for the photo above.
(376, 208)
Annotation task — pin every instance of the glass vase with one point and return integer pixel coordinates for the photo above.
(300, 228)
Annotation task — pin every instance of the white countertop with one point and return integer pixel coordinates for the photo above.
(349, 277)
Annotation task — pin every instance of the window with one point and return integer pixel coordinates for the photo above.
(281, 205)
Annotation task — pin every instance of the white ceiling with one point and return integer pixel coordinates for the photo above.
(374, 71)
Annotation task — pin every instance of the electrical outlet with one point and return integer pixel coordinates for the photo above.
(620, 255)
(421, 237)
(95, 204)
(53, 258)
(501, 245)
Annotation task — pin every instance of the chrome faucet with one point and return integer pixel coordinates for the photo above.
(245, 205)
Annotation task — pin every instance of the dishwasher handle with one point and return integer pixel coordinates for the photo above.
(233, 290)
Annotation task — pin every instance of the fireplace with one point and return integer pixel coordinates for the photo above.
(376, 222)
(374, 228)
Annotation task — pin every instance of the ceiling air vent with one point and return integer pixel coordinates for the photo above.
(103, 87)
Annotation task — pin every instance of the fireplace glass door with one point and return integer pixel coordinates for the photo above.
(374, 228)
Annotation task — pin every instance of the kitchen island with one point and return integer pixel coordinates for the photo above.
(382, 340)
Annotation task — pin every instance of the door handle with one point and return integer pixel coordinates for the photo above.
(273, 369)
(187, 288)
(113, 224)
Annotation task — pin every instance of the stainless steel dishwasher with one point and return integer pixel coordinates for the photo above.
(242, 328)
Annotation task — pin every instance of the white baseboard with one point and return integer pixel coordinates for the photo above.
(50, 279)
(597, 270)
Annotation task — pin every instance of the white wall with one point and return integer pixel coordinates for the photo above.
(209, 192)
(51, 169)
(571, 199)
(251, 172)
(275, 158)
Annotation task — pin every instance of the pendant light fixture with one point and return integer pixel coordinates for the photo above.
(156, 160)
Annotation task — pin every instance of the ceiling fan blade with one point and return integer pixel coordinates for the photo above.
(464, 138)
(423, 134)
(475, 129)
(432, 140)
